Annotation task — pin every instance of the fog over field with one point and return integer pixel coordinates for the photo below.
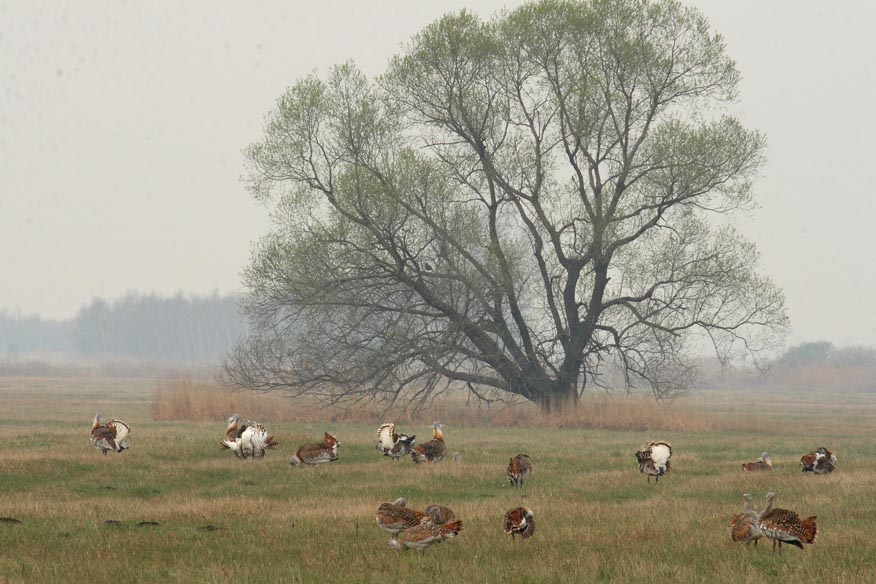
(123, 126)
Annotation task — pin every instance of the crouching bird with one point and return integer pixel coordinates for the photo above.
(426, 533)
(762, 463)
(325, 451)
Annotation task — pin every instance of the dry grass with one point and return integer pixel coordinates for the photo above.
(185, 398)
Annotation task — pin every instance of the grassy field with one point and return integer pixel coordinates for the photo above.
(598, 520)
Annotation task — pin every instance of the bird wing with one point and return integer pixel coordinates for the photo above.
(391, 516)
(385, 436)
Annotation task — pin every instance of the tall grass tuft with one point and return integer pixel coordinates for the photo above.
(187, 398)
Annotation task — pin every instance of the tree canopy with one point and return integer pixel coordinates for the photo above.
(521, 203)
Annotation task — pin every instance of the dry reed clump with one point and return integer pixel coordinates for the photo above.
(184, 398)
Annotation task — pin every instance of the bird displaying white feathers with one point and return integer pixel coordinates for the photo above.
(654, 459)
(109, 436)
(248, 439)
(392, 444)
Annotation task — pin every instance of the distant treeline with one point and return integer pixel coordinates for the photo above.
(141, 326)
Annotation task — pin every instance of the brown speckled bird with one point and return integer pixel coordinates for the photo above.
(820, 461)
(109, 436)
(326, 451)
(743, 526)
(762, 463)
(396, 517)
(519, 521)
(440, 514)
(426, 533)
(654, 459)
(783, 526)
(519, 468)
(433, 450)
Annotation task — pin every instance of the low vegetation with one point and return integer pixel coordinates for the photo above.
(178, 508)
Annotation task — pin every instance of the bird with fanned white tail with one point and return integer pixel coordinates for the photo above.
(392, 444)
(109, 436)
(654, 459)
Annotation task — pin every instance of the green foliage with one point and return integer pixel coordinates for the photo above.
(481, 214)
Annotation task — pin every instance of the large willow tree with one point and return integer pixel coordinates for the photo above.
(520, 204)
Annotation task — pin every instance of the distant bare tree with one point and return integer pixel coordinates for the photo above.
(516, 204)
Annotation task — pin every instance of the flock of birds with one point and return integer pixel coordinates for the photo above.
(412, 529)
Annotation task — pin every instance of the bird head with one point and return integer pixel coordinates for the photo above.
(233, 418)
(294, 461)
(400, 502)
(747, 497)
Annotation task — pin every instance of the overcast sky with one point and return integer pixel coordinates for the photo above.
(122, 124)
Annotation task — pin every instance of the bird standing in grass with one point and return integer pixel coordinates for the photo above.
(654, 459)
(109, 436)
(248, 439)
(762, 463)
(433, 450)
(783, 526)
(519, 521)
(319, 453)
(519, 468)
(743, 526)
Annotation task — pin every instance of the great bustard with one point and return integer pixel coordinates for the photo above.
(433, 450)
(820, 461)
(109, 436)
(783, 526)
(654, 459)
(396, 517)
(393, 444)
(743, 526)
(519, 521)
(762, 463)
(426, 533)
(519, 468)
(325, 451)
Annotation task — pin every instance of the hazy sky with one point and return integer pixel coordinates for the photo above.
(122, 124)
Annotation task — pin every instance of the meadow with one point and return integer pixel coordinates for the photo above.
(176, 507)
